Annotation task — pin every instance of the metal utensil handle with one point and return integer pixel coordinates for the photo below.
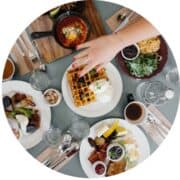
(37, 35)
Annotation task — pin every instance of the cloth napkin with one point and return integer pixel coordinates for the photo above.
(151, 130)
(49, 152)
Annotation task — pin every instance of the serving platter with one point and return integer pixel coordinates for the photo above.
(30, 140)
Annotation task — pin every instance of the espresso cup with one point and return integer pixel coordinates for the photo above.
(135, 113)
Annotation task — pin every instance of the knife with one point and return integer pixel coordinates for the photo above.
(65, 159)
(124, 22)
(66, 156)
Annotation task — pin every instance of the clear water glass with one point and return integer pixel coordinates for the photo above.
(53, 137)
(39, 80)
(152, 92)
(79, 129)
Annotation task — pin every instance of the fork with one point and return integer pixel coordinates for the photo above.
(160, 128)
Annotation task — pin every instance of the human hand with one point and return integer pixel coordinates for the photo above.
(98, 52)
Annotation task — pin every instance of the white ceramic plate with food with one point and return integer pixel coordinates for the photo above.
(32, 139)
(86, 149)
(97, 108)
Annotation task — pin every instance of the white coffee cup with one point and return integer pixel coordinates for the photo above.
(135, 112)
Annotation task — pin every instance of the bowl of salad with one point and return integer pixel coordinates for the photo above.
(149, 62)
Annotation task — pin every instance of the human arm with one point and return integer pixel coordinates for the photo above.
(102, 50)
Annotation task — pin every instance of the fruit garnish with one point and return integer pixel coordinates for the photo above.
(113, 127)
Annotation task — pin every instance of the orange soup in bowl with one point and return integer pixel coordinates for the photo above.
(8, 70)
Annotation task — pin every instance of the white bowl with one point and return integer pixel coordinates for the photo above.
(131, 59)
(13, 72)
(122, 155)
(105, 168)
(59, 97)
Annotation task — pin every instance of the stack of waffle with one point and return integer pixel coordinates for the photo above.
(81, 93)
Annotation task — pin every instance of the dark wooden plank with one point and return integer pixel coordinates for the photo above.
(49, 48)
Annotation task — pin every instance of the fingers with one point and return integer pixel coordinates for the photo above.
(84, 45)
(86, 69)
(100, 66)
(81, 54)
(80, 62)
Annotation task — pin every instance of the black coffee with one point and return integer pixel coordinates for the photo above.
(134, 112)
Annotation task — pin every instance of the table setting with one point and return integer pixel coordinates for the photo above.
(98, 125)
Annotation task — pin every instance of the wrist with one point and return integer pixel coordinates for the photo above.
(118, 42)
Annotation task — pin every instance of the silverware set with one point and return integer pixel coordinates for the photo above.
(61, 157)
(159, 126)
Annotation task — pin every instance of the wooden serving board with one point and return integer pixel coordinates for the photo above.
(113, 21)
(49, 49)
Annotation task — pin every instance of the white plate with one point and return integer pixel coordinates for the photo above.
(95, 109)
(86, 149)
(33, 139)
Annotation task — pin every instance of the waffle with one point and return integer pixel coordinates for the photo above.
(81, 93)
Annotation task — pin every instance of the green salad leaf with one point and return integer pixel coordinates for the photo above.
(144, 65)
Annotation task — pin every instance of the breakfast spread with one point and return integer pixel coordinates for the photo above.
(81, 93)
(22, 113)
(115, 148)
(109, 147)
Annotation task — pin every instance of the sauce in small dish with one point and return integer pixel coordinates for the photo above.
(99, 168)
(53, 97)
(130, 52)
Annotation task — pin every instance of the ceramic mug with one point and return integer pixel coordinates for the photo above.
(135, 112)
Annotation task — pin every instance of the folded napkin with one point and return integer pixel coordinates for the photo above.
(157, 134)
(50, 152)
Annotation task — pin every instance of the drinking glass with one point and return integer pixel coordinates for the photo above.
(39, 80)
(152, 92)
(53, 137)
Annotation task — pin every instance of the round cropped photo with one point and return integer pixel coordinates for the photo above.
(90, 89)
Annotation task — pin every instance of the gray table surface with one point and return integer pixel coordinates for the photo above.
(62, 116)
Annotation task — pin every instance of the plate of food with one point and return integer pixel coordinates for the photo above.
(95, 94)
(26, 111)
(144, 59)
(112, 147)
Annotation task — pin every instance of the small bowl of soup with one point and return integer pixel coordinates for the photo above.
(9, 70)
